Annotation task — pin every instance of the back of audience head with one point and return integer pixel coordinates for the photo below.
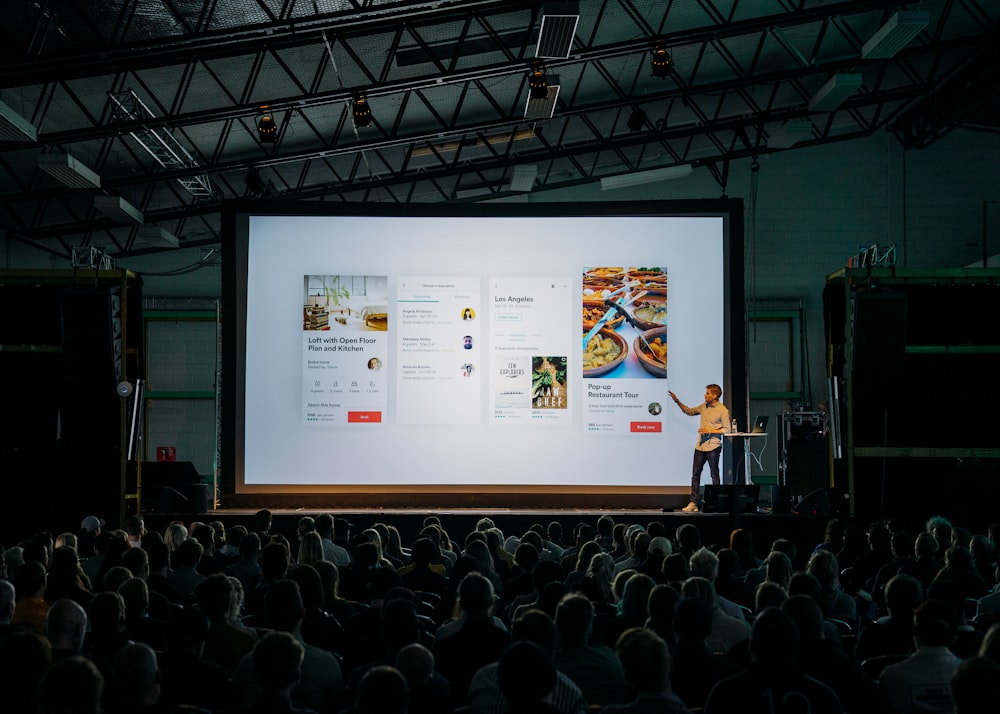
(768, 594)
(803, 583)
(277, 662)
(135, 676)
(24, 659)
(807, 616)
(29, 580)
(416, 663)
(382, 690)
(704, 564)
(773, 642)
(903, 593)
(574, 621)
(778, 568)
(692, 620)
(214, 595)
(935, 624)
(72, 685)
(974, 686)
(525, 675)
(283, 606)
(7, 596)
(700, 588)
(645, 658)
(274, 560)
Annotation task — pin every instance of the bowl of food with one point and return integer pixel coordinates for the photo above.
(652, 354)
(594, 310)
(650, 312)
(652, 280)
(605, 351)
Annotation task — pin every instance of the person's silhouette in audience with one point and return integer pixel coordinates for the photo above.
(472, 640)
(321, 686)
(226, 644)
(277, 662)
(485, 696)
(429, 690)
(774, 684)
(24, 659)
(594, 668)
(646, 661)
(382, 690)
(825, 661)
(922, 682)
(72, 685)
(185, 677)
(974, 686)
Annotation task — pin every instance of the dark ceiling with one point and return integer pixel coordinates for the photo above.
(149, 109)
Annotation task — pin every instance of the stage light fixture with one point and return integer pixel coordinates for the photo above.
(267, 128)
(641, 178)
(538, 84)
(636, 119)
(895, 34)
(661, 63)
(362, 112)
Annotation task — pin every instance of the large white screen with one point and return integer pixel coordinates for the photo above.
(447, 351)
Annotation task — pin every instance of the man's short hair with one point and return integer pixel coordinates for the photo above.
(714, 389)
(574, 620)
(382, 690)
(645, 658)
(277, 660)
(71, 684)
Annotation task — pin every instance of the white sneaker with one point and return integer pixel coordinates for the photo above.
(692, 507)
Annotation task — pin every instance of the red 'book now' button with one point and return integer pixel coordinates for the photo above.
(364, 417)
(645, 427)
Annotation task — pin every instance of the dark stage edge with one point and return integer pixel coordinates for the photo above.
(715, 528)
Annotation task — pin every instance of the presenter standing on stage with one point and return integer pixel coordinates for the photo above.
(714, 423)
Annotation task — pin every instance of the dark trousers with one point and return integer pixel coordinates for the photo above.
(700, 459)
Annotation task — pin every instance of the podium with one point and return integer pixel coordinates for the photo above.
(746, 436)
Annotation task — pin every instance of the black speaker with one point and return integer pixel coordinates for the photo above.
(731, 498)
(781, 501)
(816, 503)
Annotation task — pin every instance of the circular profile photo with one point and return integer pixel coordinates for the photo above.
(468, 314)
(374, 364)
(654, 408)
(467, 369)
(467, 342)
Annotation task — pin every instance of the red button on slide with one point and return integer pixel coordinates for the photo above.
(364, 417)
(645, 427)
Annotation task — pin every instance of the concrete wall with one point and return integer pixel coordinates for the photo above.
(813, 209)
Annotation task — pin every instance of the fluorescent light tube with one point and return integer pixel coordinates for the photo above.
(790, 133)
(118, 209)
(543, 108)
(68, 171)
(610, 183)
(523, 178)
(14, 127)
(157, 237)
(895, 34)
(832, 94)
(558, 28)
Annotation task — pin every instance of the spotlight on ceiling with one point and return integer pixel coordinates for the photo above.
(636, 119)
(362, 112)
(267, 128)
(538, 84)
(661, 63)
